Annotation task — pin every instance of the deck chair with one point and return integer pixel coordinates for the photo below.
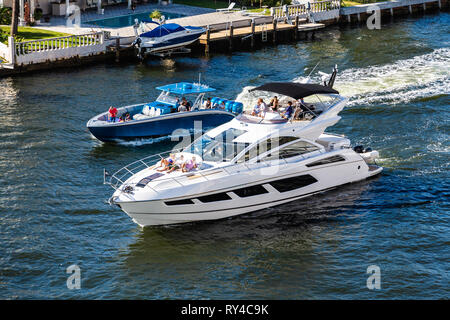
(229, 9)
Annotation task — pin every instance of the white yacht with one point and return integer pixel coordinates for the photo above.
(247, 164)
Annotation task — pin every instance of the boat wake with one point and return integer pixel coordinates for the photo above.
(421, 77)
(424, 76)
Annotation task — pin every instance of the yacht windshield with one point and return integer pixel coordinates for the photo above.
(166, 98)
(220, 148)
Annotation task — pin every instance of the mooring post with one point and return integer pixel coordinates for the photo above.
(410, 9)
(349, 18)
(392, 12)
(297, 19)
(12, 50)
(274, 31)
(252, 40)
(231, 36)
(117, 49)
(424, 6)
(439, 3)
(208, 36)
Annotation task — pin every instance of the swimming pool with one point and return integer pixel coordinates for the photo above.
(128, 20)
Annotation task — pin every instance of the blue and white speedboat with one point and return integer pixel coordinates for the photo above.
(164, 37)
(162, 118)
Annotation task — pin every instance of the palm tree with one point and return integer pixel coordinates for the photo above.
(15, 17)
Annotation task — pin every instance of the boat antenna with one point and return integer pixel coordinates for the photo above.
(333, 77)
(313, 69)
(309, 75)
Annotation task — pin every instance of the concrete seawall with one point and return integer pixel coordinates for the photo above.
(231, 39)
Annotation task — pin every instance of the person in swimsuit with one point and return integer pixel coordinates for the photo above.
(178, 163)
(167, 163)
(189, 165)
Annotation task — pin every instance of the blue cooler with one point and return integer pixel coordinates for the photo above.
(238, 107)
(214, 101)
(229, 106)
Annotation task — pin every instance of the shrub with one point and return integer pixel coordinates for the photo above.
(37, 14)
(5, 16)
(3, 37)
(156, 15)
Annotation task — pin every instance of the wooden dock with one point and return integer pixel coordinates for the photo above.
(257, 33)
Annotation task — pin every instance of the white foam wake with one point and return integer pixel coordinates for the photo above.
(405, 80)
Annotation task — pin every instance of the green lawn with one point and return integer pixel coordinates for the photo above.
(27, 33)
(260, 10)
(213, 4)
(346, 3)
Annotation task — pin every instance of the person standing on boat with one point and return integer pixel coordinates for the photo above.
(112, 113)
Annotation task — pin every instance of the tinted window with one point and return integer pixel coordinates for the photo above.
(297, 148)
(250, 191)
(179, 202)
(326, 161)
(214, 197)
(293, 183)
(265, 146)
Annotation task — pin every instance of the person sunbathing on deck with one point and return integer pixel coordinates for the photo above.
(167, 163)
(189, 165)
(177, 164)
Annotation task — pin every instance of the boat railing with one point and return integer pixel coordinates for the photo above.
(119, 178)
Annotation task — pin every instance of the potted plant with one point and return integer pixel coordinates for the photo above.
(37, 14)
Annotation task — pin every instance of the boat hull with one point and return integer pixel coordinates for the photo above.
(168, 44)
(156, 212)
(159, 126)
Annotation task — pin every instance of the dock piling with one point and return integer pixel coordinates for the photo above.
(231, 36)
(252, 41)
(117, 49)
(296, 28)
(274, 31)
(208, 36)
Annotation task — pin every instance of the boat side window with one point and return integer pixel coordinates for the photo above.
(297, 148)
(292, 150)
(265, 146)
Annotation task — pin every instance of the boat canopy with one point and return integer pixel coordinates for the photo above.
(186, 88)
(295, 90)
(163, 30)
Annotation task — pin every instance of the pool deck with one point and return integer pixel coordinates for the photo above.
(58, 24)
